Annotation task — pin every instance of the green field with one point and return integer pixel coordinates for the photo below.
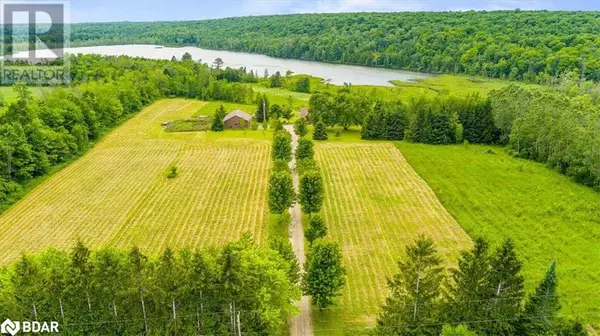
(494, 195)
(375, 204)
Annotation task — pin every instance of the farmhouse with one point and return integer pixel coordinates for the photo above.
(237, 119)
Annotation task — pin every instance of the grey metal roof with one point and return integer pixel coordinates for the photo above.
(238, 113)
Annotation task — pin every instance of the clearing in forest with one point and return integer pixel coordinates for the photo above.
(376, 204)
(549, 217)
(118, 194)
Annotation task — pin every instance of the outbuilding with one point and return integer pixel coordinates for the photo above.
(237, 119)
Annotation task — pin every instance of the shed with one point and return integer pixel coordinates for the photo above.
(237, 119)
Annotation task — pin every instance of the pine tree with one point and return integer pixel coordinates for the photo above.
(320, 131)
(316, 230)
(262, 108)
(218, 124)
(367, 131)
(325, 274)
(507, 286)
(412, 307)
(397, 122)
(542, 306)
(469, 288)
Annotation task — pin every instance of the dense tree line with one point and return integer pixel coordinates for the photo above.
(239, 287)
(484, 292)
(37, 134)
(528, 45)
(551, 128)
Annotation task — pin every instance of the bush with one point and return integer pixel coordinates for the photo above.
(172, 171)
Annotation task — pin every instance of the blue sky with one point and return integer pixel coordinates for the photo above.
(169, 10)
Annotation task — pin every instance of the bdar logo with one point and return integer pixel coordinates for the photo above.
(10, 327)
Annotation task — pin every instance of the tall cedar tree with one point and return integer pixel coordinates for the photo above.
(325, 274)
(311, 191)
(305, 149)
(317, 229)
(300, 127)
(281, 192)
(282, 146)
(542, 307)
(320, 132)
(413, 304)
(470, 284)
(507, 286)
(218, 124)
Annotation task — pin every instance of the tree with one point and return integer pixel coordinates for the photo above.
(300, 127)
(459, 330)
(311, 191)
(276, 80)
(325, 274)
(262, 108)
(218, 63)
(320, 132)
(542, 307)
(186, 56)
(469, 290)
(305, 149)
(285, 249)
(282, 146)
(218, 124)
(316, 230)
(303, 84)
(281, 192)
(507, 285)
(276, 111)
(413, 305)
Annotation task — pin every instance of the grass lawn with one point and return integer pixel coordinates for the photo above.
(494, 195)
(375, 204)
(210, 108)
(118, 193)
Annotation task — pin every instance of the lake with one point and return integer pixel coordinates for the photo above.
(333, 73)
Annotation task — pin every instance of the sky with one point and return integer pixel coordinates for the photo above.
(174, 10)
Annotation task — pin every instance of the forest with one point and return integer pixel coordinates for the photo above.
(535, 46)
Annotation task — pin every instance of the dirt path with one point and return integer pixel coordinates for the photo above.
(300, 325)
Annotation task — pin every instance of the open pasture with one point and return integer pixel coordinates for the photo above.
(549, 217)
(118, 193)
(376, 204)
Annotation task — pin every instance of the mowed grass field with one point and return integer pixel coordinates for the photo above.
(375, 204)
(494, 195)
(118, 194)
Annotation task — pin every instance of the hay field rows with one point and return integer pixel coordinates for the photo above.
(376, 204)
(118, 193)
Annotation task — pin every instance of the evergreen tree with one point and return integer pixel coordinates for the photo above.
(311, 192)
(305, 149)
(543, 305)
(316, 230)
(413, 304)
(325, 274)
(275, 80)
(262, 108)
(281, 192)
(320, 131)
(300, 127)
(276, 111)
(397, 122)
(507, 285)
(368, 130)
(218, 124)
(469, 289)
(285, 249)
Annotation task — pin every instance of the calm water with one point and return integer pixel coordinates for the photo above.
(333, 73)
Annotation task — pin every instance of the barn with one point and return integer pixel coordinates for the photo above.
(237, 119)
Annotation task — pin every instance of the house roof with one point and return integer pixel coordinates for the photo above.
(239, 114)
(303, 112)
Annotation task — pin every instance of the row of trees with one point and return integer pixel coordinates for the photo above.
(36, 134)
(237, 288)
(485, 292)
(534, 46)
